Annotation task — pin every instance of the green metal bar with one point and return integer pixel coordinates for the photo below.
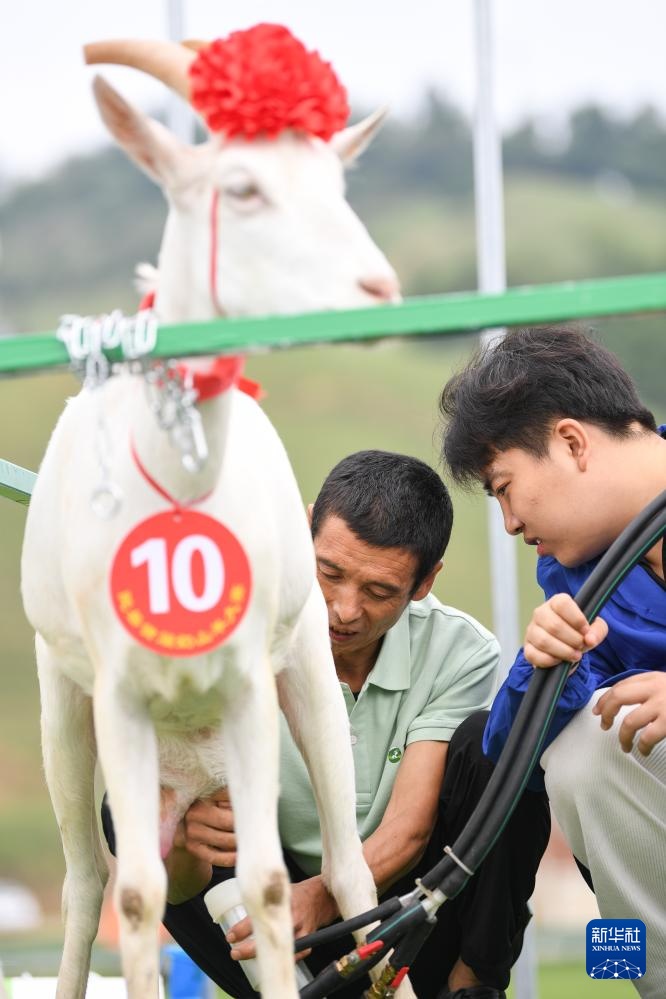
(16, 483)
(427, 316)
(434, 315)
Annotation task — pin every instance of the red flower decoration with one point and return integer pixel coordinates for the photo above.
(262, 81)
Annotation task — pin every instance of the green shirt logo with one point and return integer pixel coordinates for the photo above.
(394, 755)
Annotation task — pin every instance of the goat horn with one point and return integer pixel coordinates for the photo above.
(166, 61)
(195, 44)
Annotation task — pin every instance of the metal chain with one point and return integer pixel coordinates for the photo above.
(106, 498)
(172, 398)
(86, 339)
(134, 336)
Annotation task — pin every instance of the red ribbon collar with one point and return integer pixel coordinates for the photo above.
(221, 374)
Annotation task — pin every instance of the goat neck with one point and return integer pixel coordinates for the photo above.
(185, 293)
(162, 459)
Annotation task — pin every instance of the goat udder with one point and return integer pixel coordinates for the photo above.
(169, 820)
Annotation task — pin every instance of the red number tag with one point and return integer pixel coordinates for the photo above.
(180, 583)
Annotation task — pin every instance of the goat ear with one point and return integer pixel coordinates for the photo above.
(352, 141)
(152, 146)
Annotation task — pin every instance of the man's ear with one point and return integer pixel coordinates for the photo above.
(309, 508)
(425, 586)
(573, 436)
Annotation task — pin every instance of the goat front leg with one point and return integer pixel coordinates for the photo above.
(68, 746)
(128, 754)
(312, 702)
(251, 747)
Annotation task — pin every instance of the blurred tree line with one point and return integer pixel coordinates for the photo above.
(594, 205)
(434, 151)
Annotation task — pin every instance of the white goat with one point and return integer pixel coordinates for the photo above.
(288, 241)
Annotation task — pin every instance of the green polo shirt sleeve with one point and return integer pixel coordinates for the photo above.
(436, 666)
(459, 660)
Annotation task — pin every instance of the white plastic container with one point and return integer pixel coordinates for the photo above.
(226, 908)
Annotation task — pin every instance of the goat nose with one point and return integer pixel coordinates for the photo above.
(386, 289)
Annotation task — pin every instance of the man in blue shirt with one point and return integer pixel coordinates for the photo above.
(552, 425)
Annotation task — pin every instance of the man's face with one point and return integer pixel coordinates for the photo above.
(555, 502)
(366, 588)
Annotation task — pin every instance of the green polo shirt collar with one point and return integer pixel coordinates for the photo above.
(392, 671)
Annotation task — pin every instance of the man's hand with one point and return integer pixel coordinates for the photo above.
(648, 692)
(203, 837)
(208, 830)
(559, 632)
(311, 907)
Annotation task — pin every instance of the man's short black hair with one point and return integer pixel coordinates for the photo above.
(512, 392)
(390, 501)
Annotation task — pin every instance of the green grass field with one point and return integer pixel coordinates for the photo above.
(570, 981)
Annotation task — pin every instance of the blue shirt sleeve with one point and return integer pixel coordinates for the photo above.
(580, 686)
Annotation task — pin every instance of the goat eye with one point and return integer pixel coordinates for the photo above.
(244, 192)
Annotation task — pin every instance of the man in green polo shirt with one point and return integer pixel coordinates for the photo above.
(413, 672)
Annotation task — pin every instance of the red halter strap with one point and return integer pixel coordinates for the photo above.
(227, 370)
(176, 504)
(214, 205)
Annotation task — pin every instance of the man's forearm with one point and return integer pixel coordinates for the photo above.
(403, 834)
(392, 850)
(188, 875)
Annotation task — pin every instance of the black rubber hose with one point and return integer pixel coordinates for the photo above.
(408, 926)
(330, 980)
(407, 950)
(337, 930)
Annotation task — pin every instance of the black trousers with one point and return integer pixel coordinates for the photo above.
(484, 924)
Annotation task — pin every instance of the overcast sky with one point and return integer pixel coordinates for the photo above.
(550, 57)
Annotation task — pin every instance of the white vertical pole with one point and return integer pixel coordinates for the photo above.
(180, 117)
(491, 263)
